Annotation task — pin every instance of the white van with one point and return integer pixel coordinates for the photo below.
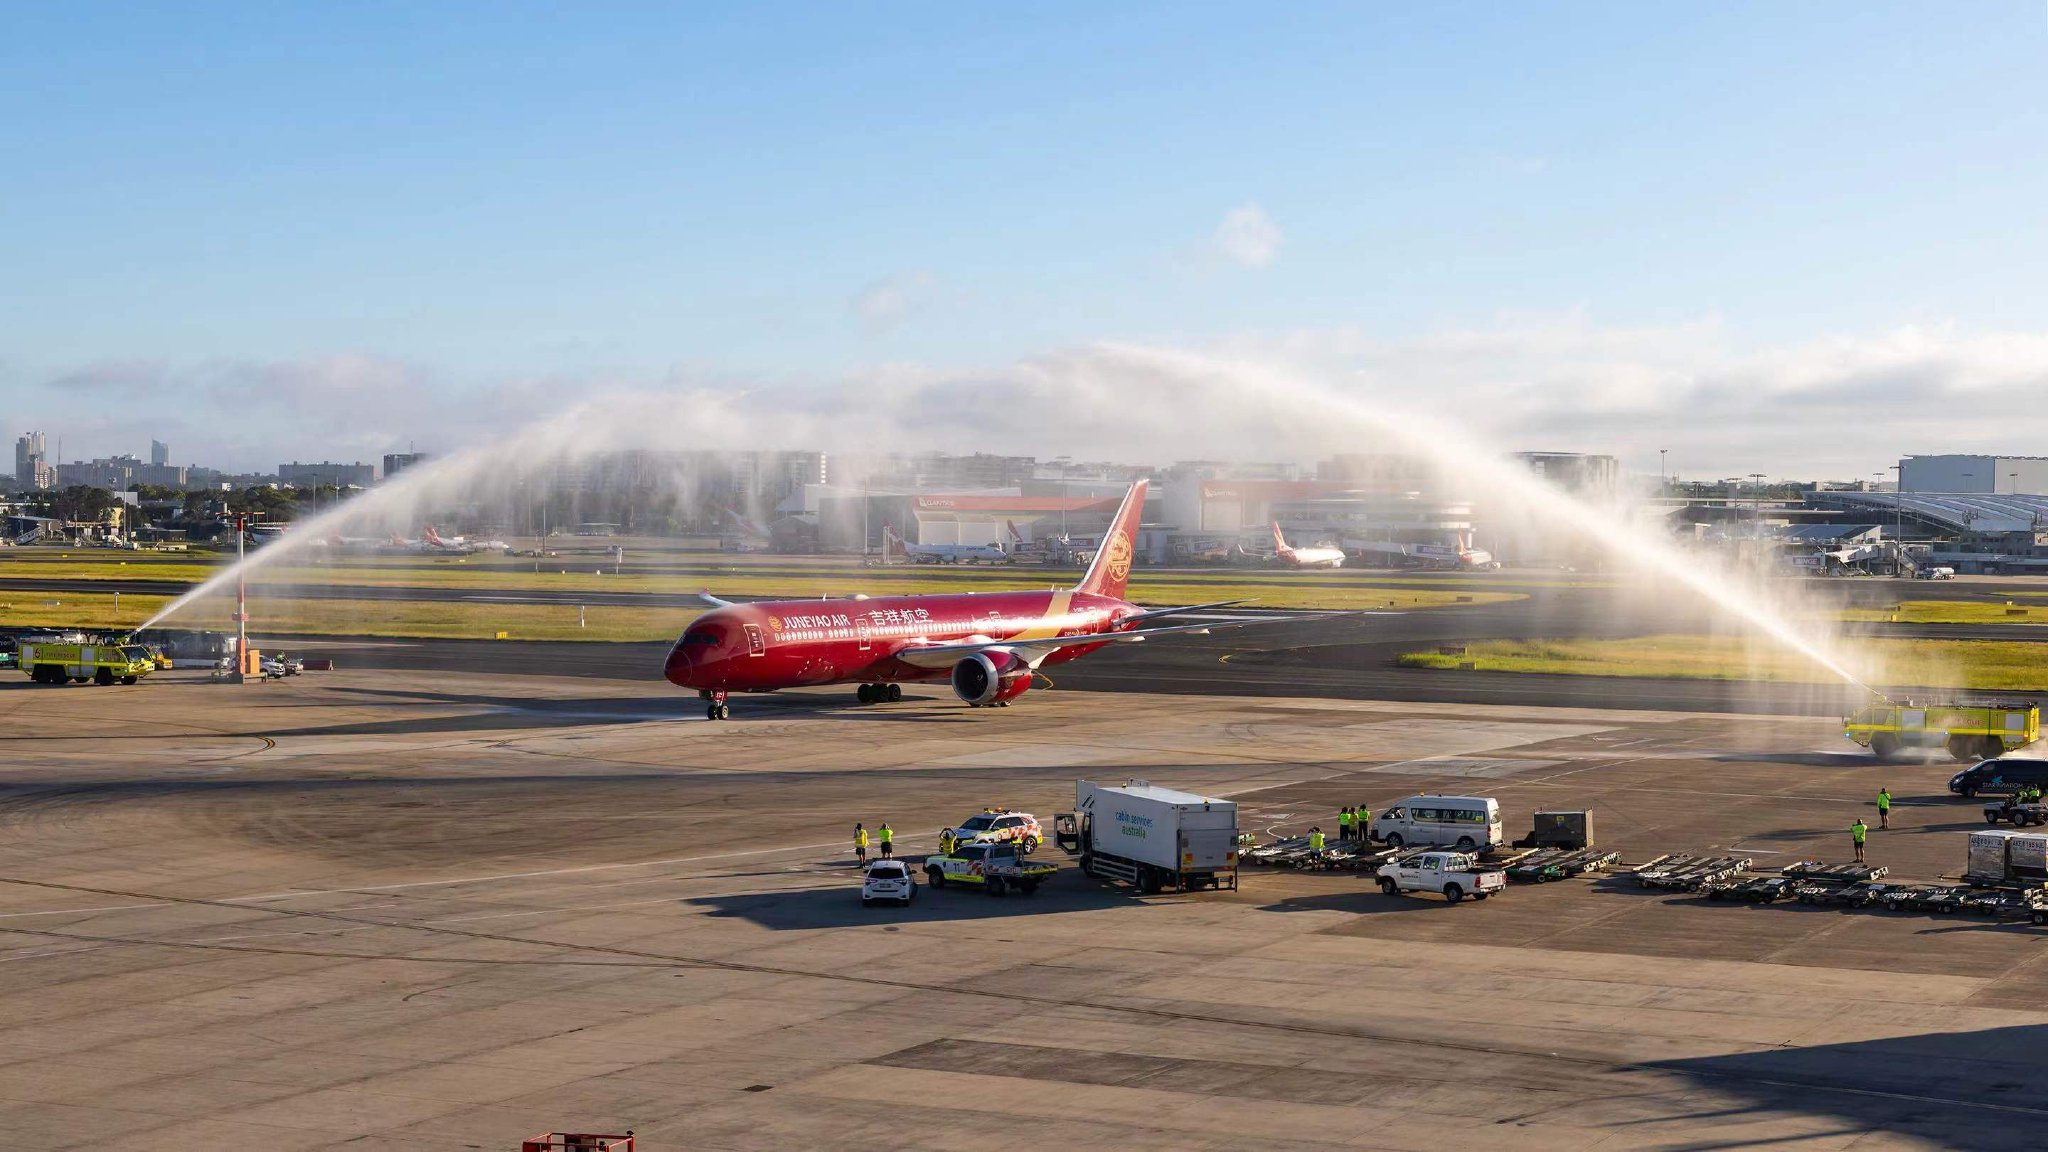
(1937, 573)
(1467, 823)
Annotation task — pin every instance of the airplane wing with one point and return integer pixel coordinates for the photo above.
(1183, 610)
(940, 655)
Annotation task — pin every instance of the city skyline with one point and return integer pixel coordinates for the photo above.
(1738, 233)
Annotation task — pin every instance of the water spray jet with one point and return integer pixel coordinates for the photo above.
(1100, 389)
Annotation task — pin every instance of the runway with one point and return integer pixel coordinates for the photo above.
(1349, 656)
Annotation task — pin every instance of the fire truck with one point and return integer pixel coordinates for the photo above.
(1970, 731)
(48, 662)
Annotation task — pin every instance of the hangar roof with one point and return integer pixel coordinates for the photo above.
(1961, 511)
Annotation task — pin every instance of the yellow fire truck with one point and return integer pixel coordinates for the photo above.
(1968, 731)
(56, 663)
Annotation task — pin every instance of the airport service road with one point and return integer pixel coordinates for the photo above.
(445, 914)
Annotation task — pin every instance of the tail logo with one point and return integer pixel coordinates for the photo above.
(1118, 551)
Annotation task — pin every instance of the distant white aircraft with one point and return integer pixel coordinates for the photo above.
(1460, 556)
(1319, 556)
(945, 553)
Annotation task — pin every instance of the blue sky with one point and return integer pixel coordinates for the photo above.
(463, 194)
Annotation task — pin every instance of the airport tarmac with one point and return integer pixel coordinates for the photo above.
(431, 912)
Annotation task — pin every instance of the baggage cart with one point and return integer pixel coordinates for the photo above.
(578, 1142)
(1688, 873)
(1835, 873)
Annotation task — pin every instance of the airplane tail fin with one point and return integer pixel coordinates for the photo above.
(1279, 541)
(1016, 537)
(1111, 570)
(433, 537)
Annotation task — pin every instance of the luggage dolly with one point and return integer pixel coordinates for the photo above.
(1690, 872)
(1754, 889)
(578, 1142)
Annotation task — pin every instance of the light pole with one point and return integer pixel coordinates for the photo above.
(1899, 507)
(1663, 476)
(1063, 461)
(2015, 478)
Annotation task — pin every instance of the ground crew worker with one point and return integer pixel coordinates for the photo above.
(860, 843)
(1343, 824)
(887, 836)
(1884, 807)
(1315, 842)
(1361, 819)
(1857, 832)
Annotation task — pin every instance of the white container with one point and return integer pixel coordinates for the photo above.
(1987, 858)
(2026, 854)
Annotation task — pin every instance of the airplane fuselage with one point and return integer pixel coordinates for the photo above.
(769, 645)
(1312, 557)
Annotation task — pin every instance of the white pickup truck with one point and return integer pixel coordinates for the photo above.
(1455, 874)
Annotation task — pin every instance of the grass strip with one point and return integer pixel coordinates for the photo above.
(2005, 665)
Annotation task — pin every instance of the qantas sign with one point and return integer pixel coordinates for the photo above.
(987, 647)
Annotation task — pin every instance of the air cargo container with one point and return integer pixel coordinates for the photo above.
(1999, 856)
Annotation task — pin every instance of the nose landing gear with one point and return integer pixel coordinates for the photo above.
(717, 709)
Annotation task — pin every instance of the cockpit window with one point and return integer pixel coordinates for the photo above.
(701, 638)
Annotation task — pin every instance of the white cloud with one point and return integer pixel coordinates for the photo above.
(883, 306)
(1248, 237)
(1839, 407)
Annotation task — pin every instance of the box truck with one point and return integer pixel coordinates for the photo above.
(1149, 837)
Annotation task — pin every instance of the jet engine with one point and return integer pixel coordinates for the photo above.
(992, 677)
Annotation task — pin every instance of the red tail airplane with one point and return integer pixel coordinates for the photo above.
(986, 645)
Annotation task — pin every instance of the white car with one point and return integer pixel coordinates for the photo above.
(887, 880)
(1455, 874)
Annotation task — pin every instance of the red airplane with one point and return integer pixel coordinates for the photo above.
(986, 645)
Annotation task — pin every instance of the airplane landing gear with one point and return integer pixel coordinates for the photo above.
(879, 693)
(717, 709)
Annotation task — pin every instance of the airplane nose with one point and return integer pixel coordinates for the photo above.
(677, 670)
